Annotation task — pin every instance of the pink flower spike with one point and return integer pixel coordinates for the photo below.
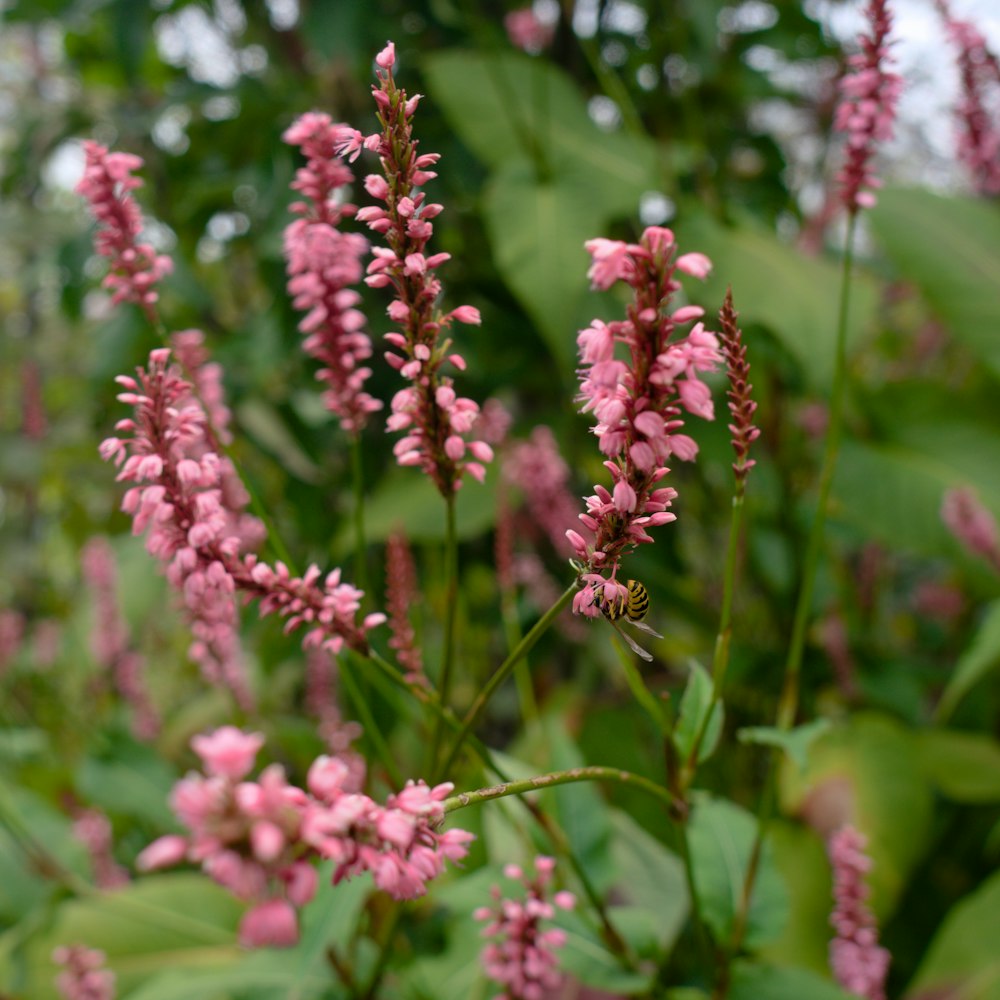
(386, 59)
(228, 752)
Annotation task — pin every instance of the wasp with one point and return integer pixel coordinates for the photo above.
(632, 608)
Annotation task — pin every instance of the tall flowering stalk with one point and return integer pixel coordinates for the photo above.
(436, 420)
(260, 839)
(856, 960)
(521, 955)
(868, 108)
(978, 110)
(324, 265)
(136, 267)
(638, 402)
(177, 498)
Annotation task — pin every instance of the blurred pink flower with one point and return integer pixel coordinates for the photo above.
(84, 976)
(93, 829)
(868, 107)
(856, 960)
(521, 955)
(527, 31)
(401, 592)
(972, 524)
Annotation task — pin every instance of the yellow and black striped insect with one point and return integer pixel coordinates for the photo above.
(632, 607)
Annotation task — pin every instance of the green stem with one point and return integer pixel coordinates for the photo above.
(522, 672)
(371, 728)
(503, 672)
(358, 482)
(593, 772)
(386, 934)
(789, 700)
(451, 599)
(697, 919)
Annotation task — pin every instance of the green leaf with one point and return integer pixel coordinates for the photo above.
(950, 248)
(693, 716)
(963, 961)
(867, 772)
(133, 781)
(982, 656)
(964, 767)
(779, 287)
(721, 837)
(795, 742)
(769, 982)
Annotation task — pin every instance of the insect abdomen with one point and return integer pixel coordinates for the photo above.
(638, 601)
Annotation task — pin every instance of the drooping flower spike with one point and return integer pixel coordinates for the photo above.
(638, 401)
(436, 421)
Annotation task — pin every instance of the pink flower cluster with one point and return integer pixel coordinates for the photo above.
(742, 406)
(856, 960)
(260, 839)
(109, 639)
(93, 829)
(400, 594)
(179, 498)
(979, 109)
(527, 31)
(972, 524)
(84, 976)
(868, 108)
(522, 955)
(638, 402)
(322, 703)
(323, 266)
(107, 184)
(435, 419)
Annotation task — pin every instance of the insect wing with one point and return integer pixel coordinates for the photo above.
(633, 645)
(643, 627)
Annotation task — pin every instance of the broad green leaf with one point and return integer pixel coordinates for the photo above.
(588, 959)
(407, 499)
(698, 716)
(963, 962)
(158, 924)
(800, 855)
(721, 836)
(867, 772)
(775, 285)
(949, 247)
(964, 767)
(982, 656)
(649, 882)
(795, 742)
(772, 982)
(133, 781)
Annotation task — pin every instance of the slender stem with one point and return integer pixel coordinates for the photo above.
(789, 700)
(594, 772)
(358, 482)
(633, 676)
(503, 672)
(371, 728)
(451, 599)
(697, 919)
(522, 672)
(386, 934)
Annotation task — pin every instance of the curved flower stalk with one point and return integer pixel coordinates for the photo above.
(856, 960)
(868, 108)
(177, 497)
(323, 266)
(979, 108)
(260, 838)
(435, 419)
(136, 267)
(521, 956)
(638, 402)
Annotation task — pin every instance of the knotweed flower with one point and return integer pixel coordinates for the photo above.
(136, 267)
(638, 402)
(400, 591)
(856, 960)
(979, 108)
(435, 419)
(323, 703)
(527, 31)
(972, 524)
(741, 404)
(521, 956)
(93, 829)
(868, 109)
(260, 839)
(324, 265)
(84, 976)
